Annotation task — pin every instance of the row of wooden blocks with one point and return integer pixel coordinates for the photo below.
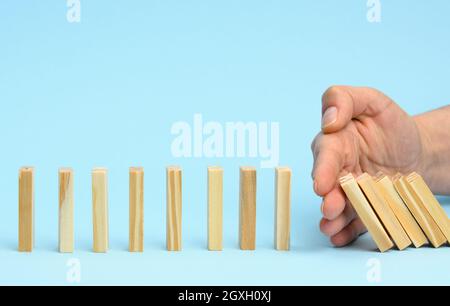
(247, 209)
(399, 211)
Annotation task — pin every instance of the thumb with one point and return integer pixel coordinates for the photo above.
(341, 104)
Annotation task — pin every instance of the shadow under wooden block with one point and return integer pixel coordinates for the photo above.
(136, 213)
(366, 213)
(247, 209)
(215, 208)
(282, 208)
(419, 212)
(66, 207)
(400, 210)
(26, 209)
(100, 209)
(423, 193)
(174, 208)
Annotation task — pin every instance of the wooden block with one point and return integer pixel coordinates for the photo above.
(400, 210)
(247, 209)
(383, 211)
(421, 190)
(66, 206)
(174, 208)
(215, 208)
(366, 213)
(26, 209)
(100, 209)
(136, 223)
(282, 208)
(419, 212)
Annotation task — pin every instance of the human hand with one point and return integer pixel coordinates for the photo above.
(362, 131)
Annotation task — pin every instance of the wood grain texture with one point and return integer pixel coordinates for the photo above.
(215, 209)
(423, 218)
(174, 209)
(100, 209)
(66, 207)
(384, 211)
(26, 209)
(429, 201)
(282, 208)
(366, 213)
(136, 222)
(247, 209)
(400, 210)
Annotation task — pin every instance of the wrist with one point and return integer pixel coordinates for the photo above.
(429, 164)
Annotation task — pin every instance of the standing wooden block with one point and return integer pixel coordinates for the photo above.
(366, 213)
(422, 216)
(66, 231)
(174, 208)
(384, 212)
(247, 209)
(431, 204)
(400, 210)
(215, 208)
(282, 208)
(100, 209)
(136, 239)
(26, 209)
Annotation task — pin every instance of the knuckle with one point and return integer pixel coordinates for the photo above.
(323, 226)
(323, 142)
(332, 92)
(316, 142)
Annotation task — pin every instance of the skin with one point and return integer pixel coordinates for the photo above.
(363, 130)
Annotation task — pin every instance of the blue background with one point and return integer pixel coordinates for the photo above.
(106, 91)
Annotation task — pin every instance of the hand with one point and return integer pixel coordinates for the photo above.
(362, 131)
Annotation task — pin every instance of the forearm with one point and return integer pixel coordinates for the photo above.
(435, 132)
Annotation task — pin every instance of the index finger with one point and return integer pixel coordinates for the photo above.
(328, 163)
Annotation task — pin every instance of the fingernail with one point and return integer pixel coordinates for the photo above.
(329, 117)
(316, 185)
(321, 207)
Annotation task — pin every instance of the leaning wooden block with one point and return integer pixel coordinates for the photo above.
(136, 214)
(384, 212)
(247, 209)
(366, 213)
(400, 210)
(215, 208)
(282, 208)
(421, 190)
(174, 208)
(26, 209)
(100, 209)
(419, 212)
(66, 231)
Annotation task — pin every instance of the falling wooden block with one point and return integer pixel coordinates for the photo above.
(136, 223)
(366, 213)
(100, 209)
(422, 192)
(419, 212)
(66, 231)
(26, 209)
(400, 210)
(215, 208)
(384, 212)
(247, 209)
(282, 208)
(174, 208)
